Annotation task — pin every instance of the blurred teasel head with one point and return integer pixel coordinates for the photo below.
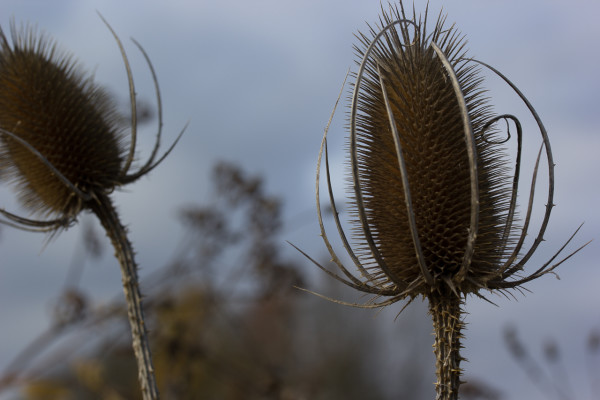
(434, 194)
(63, 146)
(62, 142)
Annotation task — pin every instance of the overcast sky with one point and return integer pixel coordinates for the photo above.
(257, 81)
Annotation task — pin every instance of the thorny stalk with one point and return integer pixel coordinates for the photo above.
(107, 214)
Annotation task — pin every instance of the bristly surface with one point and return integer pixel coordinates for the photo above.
(47, 102)
(431, 130)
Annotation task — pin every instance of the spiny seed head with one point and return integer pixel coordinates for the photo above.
(431, 131)
(54, 107)
(433, 194)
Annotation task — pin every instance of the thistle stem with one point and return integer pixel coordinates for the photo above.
(104, 209)
(446, 312)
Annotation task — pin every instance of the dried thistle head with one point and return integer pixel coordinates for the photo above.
(431, 167)
(47, 102)
(61, 142)
(434, 199)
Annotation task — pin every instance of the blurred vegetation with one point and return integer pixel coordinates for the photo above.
(551, 374)
(225, 321)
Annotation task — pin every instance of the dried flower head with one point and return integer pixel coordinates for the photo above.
(47, 102)
(61, 144)
(433, 197)
(61, 140)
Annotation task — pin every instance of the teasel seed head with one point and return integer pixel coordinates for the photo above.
(62, 141)
(434, 193)
(49, 103)
(61, 144)
(433, 200)
(408, 81)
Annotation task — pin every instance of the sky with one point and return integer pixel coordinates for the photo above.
(257, 82)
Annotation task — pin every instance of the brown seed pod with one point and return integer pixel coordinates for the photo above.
(437, 167)
(49, 103)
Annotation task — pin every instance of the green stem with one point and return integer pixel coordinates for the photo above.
(446, 312)
(103, 207)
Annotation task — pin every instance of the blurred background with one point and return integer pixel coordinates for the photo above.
(257, 81)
